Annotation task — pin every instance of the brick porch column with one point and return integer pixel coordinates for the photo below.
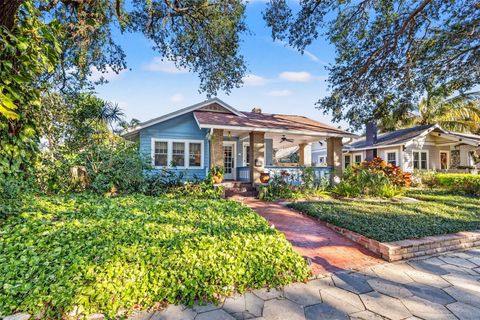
(301, 154)
(257, 155)
(334, 158)
(216, 148)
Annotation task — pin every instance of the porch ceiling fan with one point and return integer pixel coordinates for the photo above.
(283, 139)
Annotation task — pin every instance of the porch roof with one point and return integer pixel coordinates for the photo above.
(265, 122)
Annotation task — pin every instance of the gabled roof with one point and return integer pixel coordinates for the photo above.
(267, 122)
(214, 113)
(402, 136)
(185, 110)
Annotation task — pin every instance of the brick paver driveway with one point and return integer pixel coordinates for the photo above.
(441, 287)
(327, 250)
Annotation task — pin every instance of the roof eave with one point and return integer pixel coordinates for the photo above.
(272, 130)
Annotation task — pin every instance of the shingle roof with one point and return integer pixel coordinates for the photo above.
(266, 121)
(391, 138)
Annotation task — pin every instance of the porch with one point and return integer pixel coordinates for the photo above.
(246, 155)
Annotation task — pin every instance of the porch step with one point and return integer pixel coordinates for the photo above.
(235, 184)
(240, 189)
(229, 194)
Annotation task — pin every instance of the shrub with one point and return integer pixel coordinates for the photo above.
(110, 165)
(281, 186)
(468, 183)
(373, 178)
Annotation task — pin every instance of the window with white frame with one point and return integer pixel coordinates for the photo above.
(178, 153)
(357, 158)
(347, 161)
(195, 154)
(392, 157)
(161, 154)
(246, 154)
(420, 160)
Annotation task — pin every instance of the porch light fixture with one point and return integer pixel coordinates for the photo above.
(229, 134)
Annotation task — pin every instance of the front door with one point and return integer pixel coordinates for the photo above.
(229, 159)
(443, 160)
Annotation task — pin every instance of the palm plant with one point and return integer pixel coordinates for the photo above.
(459, 112)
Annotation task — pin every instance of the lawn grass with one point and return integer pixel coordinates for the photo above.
(440, 212)
(103, 254)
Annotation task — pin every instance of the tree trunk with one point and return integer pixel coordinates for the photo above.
(8, 12)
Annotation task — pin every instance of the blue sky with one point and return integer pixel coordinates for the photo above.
(279, 80)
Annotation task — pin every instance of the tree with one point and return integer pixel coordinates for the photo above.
(56, 44)
(385, 50)
(455, 113)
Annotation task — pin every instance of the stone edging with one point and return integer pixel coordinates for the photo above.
(406, 249)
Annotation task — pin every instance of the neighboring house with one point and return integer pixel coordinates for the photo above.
(213, 133)
(427, 147)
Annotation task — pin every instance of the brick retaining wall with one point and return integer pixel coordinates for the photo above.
(406, 249)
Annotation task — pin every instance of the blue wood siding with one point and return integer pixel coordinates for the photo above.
(182, 127)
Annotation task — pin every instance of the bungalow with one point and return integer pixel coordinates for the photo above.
(427, 147)
(213, 133)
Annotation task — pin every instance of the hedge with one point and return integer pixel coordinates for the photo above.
(468, 183)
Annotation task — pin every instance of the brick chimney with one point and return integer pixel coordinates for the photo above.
(371, 139)
(371, 133)
(257, 110)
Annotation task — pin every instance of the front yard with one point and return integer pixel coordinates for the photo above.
(95, 254)
(439, 212)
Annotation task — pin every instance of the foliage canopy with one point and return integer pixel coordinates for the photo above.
(386, 51)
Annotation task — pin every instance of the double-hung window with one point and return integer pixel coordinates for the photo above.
(420, 160)
(357, 158)
(195, 154)
(347, 161)
(161, 154)
(392, 157)
(178, 153)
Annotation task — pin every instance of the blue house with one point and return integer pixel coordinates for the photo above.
(213, 133)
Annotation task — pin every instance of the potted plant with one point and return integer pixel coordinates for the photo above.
(264, 177)
(217, 174)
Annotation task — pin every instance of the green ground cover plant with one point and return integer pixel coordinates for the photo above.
(439, 212)
(102, 254)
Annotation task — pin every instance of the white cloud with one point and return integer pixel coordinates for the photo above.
(108, 74)
(301, 76)
(254, 80)
(311, 56)
(279, 93)
(177, 98)
(162, 65)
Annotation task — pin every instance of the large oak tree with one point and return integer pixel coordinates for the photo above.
(386, 51)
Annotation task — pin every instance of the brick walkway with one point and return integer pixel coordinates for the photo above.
(327, 250)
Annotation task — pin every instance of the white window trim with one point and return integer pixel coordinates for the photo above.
(244, 154)
(353, 158)
(170, 152)
(397, 160)
(234, 145)
(419, 159)
(343, 159)
(440, 158)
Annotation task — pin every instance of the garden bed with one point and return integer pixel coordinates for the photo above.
(96, 254)
(439, 212)
(395, 231)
